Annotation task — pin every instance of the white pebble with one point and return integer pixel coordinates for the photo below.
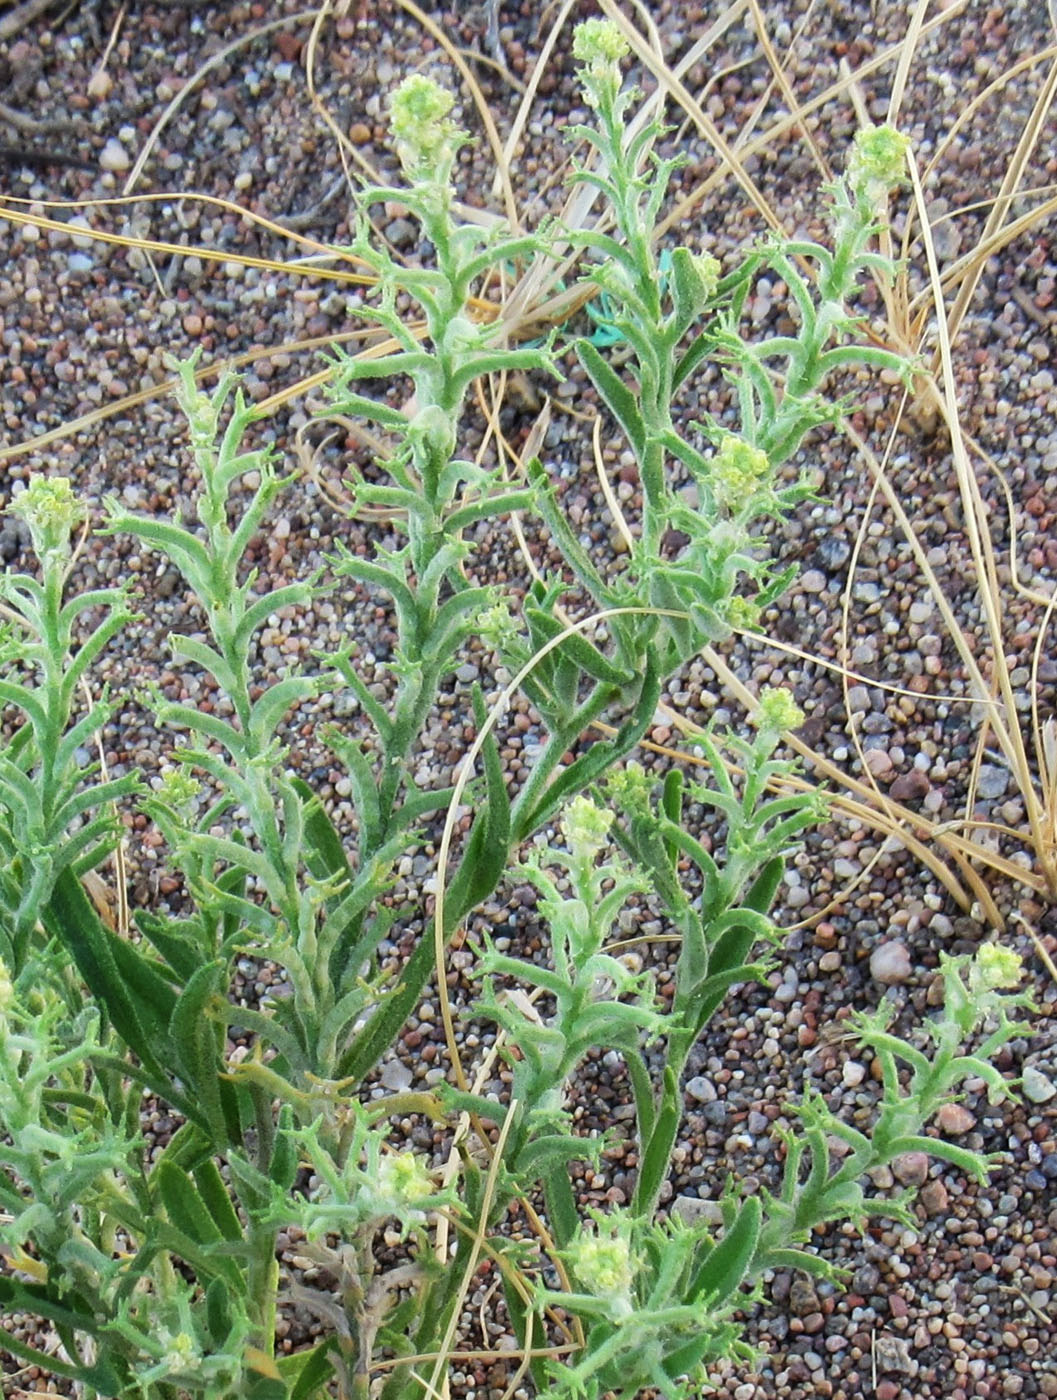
(114, 157)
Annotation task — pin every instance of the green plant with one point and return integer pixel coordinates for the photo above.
(159, 1264)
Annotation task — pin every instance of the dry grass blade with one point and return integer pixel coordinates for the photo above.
(785, 124)
(1007, 728)
(1029, 138)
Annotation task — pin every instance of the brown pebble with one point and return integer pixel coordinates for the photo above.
(955, 1118)
(290, 46)
(886, 1390)
(192, 323)
(910, 787)
(897, 1305)
(911, 1168)
(359, 133)
(934, 1197)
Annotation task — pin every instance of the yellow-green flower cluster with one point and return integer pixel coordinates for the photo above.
(995, 967)
(426, 139)
(878, 159)
(586, 828)
(177, 788)
(708, 269)
(604, 1266)
(51, 510)
(403, 1180)
(737, 470)
(778, 710)
(599, 47)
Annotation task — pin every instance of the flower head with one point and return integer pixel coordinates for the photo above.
(403, 1180)
(177, 788)
(631, 789)
(51, 510)
(599, 46)
(737, 470)
(586, 828)
(878, 161)
(604, 1263)
(778, 710)
(426, 139)
(995, 967)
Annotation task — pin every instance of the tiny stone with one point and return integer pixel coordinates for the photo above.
(359, 133)
(701, 1090)
(691, 1209)
(1037, 1087)
(890, 964)
(934, 1197)
(395, 1076)
(910, 787)
(114, 157)
(955, 1118)
(993, 781)
(814, 581)
(829, 962)
(878, 762)
(911, 1168)
(803, 1299)
(853, 1073)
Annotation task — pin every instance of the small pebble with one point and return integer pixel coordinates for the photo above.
(1037, 1086)
(955, 1118)
(890, 964)
(911, 1168)
(114, 157)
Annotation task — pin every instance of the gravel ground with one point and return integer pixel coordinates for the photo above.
(965, 1305)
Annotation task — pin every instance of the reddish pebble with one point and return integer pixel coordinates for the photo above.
(955, 1119)
(290, 46)
(897, 1305)
(192, 324)
(887, 1390)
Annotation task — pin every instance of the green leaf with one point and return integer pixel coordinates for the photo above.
(724, 1267)
(70, 917)
(657, 1151)
(617, 397)
(576, 646)
(306, 1372)
(196, 1039)
(215, 1194)
(218, 1312)
(192, 1230)
(325, 853)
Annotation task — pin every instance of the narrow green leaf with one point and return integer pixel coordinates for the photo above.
(724, 1267)
(196, 1040)
(617, 397)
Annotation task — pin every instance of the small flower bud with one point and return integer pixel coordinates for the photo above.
(599, 46)
(51, 511)
(599, 42)
(426, 140)
(604, 1265)
(737, 470)
(403, 1180)
(878, 156)
(586, 829)
(778, 710)
(995, 967)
